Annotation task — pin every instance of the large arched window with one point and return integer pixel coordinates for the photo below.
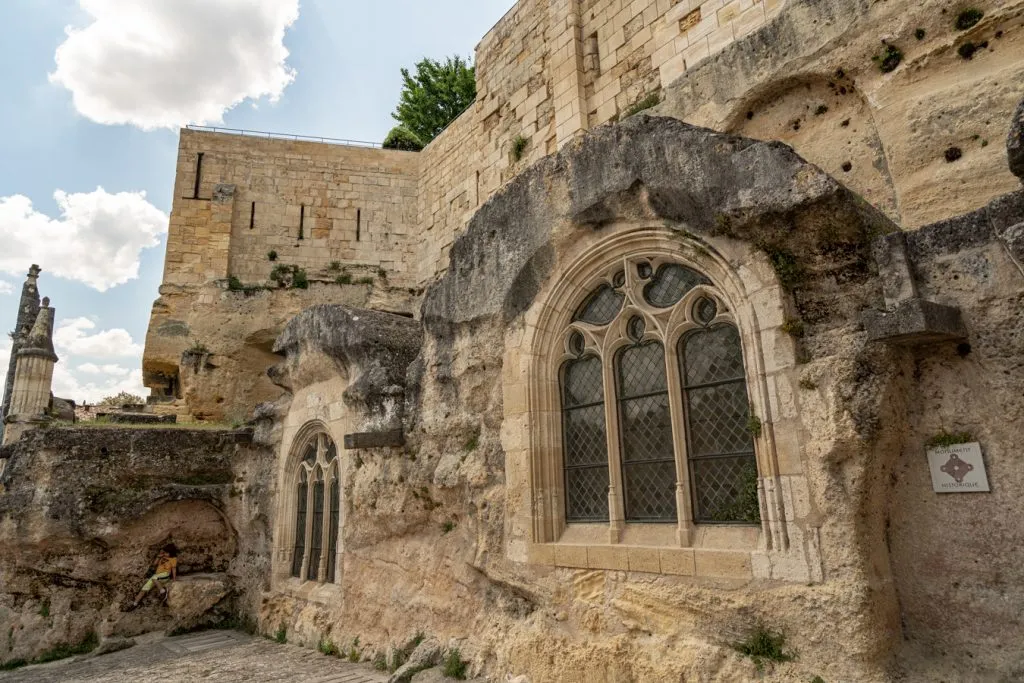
(317, 511)
(677, 437)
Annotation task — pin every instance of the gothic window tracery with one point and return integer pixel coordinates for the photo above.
(672, 438)
(317, 511)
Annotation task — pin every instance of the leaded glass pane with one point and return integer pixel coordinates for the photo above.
(299, 551)
(586, 494)
(619, 279)
(670, 284)
(309, 457)
(706, 310)
(644, 270)
(332, 533)
(332, 452)
(636, 328)
(646, 429)
(645, 426)
(642, 370)
(601, 307)
(585, 441)
(582, 382)
(726, 489)
(712, 355)
(718, 419)
(650, 491)
(316, 541)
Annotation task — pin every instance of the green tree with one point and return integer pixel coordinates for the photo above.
(434, 96)
(121, 399)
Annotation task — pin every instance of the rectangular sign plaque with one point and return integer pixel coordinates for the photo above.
(958, 469)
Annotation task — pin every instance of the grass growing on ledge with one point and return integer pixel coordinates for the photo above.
(455, 666)
(763, 645)
(106, 423)
(949, 439)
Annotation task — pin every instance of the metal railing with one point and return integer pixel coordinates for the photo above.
(285, 136)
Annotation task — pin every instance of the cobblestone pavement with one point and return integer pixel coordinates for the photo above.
(221, 656)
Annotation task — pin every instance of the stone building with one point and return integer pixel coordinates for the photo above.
(602, 410)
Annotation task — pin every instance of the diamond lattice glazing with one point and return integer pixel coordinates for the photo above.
(586, 494)
(582, 382)
(642, 370)
(585, 440)
(670, 284)
(726, 489)
(717, 420)
(650, 491)
(712, 355)
(601, 307)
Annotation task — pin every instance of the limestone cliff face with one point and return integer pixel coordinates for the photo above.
(83, 511)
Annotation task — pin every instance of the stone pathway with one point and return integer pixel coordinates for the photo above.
(221, 656)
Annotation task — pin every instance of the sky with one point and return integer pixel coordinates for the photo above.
(94, 93)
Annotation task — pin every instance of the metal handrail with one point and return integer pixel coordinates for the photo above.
(285, 136)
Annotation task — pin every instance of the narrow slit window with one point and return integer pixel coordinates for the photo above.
(199, 175)
(359, 223)
(302, 221)
(300, 526)
(252, 216)
(332, 533)
(316, 542)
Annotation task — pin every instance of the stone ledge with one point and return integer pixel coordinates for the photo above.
(702, 562)
(915, 322)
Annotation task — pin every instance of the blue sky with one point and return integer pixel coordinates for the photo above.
(99, 107)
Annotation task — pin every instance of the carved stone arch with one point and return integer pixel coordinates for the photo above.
(554, 315)
(829, 122)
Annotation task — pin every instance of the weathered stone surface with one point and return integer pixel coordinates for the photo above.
(915, 322)
(369, 348)
(191, 596)
(1015, 142)
(426, 655)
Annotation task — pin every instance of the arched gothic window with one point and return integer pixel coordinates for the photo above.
(317, 511)
(675, 428)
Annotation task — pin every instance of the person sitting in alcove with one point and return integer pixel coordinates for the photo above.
(165, 566)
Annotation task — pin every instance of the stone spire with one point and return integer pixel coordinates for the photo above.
(28, 312)
(33, 377)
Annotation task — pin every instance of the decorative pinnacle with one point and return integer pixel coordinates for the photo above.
(46, 302)
(34, 271)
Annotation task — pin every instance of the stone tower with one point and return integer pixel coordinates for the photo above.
(33, 376)
(28, 311)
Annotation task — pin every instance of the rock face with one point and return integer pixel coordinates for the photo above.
(449, 536)
(83, 511)
(1015, 142)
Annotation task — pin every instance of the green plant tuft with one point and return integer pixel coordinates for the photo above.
(234, 284)
(327, 647)
(472, 443)
(949, 439)
(380, 662)
(353, 651)
(403, 139)
(12, 664)
(794, 327)
(335, 266)
(519, 145)
(448, 527)
(764, 645)
(754, 425)
(271, 255)
(791, 274)
(817, 679)
(746, 505)
(343, 279)
(647, 102)
(808, 384)
(454, 666)
(889, 59)
(44, 609)
(968, 18)
(65, 650)
(364, 281)
(282, 634)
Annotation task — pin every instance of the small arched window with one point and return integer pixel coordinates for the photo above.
(676, 439)
(317, 511)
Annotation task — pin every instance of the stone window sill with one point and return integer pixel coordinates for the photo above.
(322, 593)
(717, 551)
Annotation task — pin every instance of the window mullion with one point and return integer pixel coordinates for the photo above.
(684, 509)
(309, 527)
(616, 506)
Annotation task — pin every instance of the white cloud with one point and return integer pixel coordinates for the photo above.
(6, 287)
(164, 64)
(110, 370)
(72, 336)
(96, 240)
(66, 385)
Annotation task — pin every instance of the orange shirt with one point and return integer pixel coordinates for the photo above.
(166, 564)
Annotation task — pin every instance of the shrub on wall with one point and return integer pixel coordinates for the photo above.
(404, 139)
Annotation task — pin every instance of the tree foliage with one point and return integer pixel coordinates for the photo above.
(402, 138)
(122, 399)
(434, 96)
